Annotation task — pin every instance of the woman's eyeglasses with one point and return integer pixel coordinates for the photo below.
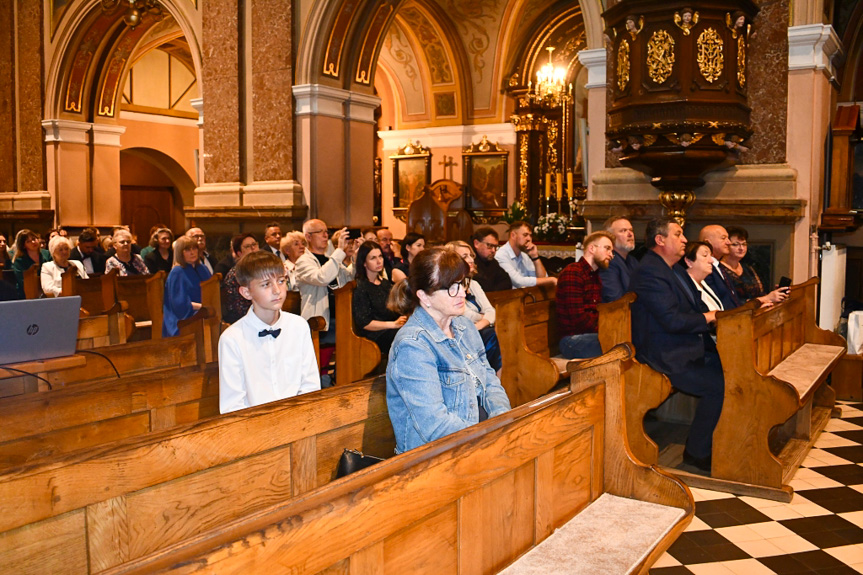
(453, 289)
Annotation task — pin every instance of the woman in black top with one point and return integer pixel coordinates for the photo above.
(412, 245)
(162, 256)
(371, 317)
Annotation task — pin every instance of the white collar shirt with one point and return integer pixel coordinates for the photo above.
(520, 268)
(257, 369)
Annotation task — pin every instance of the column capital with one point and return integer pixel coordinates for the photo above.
(361, 107)
(812, 47)
(198, 105)
(318, 100)
(107, 135)
(595, 62)
(69, 131)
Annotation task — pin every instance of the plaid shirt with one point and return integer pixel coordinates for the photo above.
(579, 289)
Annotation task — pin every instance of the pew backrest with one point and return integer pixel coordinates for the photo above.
(98, 293)
(144, 295)
(356, 356)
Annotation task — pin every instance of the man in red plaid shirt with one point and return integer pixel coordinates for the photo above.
(579, 290)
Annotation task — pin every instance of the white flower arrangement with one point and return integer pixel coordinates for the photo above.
(551, 227)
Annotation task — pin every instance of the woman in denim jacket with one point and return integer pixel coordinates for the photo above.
(438, 378)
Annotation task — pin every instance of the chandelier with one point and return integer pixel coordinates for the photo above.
(551, 83)
(136, 10)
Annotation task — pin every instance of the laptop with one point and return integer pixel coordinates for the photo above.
(34, 329)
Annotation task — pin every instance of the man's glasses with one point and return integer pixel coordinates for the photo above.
(453, 289)
(492, 247)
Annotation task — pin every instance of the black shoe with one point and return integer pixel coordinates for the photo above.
(701, 463)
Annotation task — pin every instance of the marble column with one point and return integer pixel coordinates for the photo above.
(810, 71)
(595, 62)
(29, 51)
(8, 156)
(335, 153)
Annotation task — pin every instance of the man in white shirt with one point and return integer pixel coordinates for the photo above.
(268, 354)
(519, 257)
(318, 275)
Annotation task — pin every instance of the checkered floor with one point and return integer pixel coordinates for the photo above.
(820, 531)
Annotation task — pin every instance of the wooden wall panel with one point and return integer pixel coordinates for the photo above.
(56, 545)
(428, 546)
(572, 476)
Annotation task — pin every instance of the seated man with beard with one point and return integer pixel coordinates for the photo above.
(579, 290)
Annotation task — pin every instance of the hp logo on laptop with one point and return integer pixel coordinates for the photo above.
(32, 329)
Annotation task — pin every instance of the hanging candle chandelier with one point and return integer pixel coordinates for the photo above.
(135, 10)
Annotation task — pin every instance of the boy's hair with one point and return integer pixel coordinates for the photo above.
(257, 266)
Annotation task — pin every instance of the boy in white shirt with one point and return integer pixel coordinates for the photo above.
(268, 354)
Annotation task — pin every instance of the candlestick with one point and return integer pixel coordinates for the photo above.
(547, 186)
(559, 182)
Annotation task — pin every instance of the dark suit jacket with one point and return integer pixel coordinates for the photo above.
(615, 279)
(97, 259)
(668, 327)
(224, 266)
(717, 284)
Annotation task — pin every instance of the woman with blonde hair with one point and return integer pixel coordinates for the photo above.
(293, 245)
(477, 307)
(183, 286)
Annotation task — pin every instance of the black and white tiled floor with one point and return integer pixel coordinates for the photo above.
(820, 531)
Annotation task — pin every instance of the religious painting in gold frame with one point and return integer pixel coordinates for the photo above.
(485, 180)
(411, 173)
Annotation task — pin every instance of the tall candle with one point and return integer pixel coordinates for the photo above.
(547, 186)
(559, 182)
(569, 184)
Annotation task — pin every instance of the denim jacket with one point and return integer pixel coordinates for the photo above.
(433, 381)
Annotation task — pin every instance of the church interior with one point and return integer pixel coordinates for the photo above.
(228, 114)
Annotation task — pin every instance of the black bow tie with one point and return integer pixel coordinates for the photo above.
(273, 332)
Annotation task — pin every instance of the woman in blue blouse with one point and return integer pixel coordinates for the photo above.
(183, 287)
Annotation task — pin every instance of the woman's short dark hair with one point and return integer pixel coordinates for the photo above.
(737, 232)
(237, 241)
(432, 269)
(409, 240)
(692, 249)
(21, 240)
(360, 260)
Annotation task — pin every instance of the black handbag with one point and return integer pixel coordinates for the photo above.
(353, 460)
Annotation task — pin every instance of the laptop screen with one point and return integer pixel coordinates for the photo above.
(38, 328)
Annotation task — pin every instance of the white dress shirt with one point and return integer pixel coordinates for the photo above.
(257, 369)
(520, 268)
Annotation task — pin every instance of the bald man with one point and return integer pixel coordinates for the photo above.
(719, 280)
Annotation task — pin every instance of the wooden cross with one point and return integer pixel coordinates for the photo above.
(447, 163)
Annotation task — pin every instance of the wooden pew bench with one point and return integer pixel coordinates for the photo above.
(470, 503)
(96, 508)
(44, 425)
(776, 362)
(356, 356)
(144, 296)
(526, 328)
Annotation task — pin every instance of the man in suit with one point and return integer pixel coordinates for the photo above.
(671, 334)
(616, 277)
(719, 281)
(207, 260)
(85, 252)
(273, 238)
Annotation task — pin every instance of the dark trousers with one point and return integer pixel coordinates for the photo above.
(706, 382)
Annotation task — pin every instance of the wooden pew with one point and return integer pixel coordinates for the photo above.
(778, 380)
(98, 293)
(100, 364)
(470, 503)
(69, 418)
(356, 356)
(32, 285)
(145, 296)
(207, 322)
(526, 328)
(114, 503)
(774, 407)
(646, 387)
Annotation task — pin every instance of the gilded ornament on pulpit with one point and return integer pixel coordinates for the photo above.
(710, 58)
(623, 65)
(741, 61)
(660, 56)
(739, 27)
(686, 21)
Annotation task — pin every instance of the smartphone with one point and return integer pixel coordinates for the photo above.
(354, 233)
(784, 282)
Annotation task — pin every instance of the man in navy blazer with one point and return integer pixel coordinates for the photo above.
(615, 278)
(671, 334)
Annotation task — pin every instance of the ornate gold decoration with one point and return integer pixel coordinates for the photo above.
(660, 56)
(528, 122)
(657, 125)
(676, 203)
(523, 150)
(649, 140)
(136, 10)
(634, 30)
(739, 27)
(685, 23)
(484, 147)
(622, 65)
(412, 149)
(741, 61)
(552, 145)
(710, 58)
(713, 124)
(718, 139)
